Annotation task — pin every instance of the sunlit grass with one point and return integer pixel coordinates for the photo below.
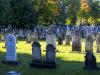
(69, 63)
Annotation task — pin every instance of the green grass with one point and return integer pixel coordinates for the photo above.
(69, 63)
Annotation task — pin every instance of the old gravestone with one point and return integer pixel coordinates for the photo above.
(90, 62)
(36, 52)
(89, 43)
(11, 56)
(36, 55)
(67, 38)
(28, 38)
(50, 38)
(98, 42)
(35, 36)
(76, 41)
(50, 55)
(9, 30)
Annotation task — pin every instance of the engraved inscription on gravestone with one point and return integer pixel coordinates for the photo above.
(11, 48)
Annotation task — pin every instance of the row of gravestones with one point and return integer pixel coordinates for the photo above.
(50, 62)
(11, 56)
(76, 41)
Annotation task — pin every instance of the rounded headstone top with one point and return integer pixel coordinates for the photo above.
(36, 44)
(50, 47)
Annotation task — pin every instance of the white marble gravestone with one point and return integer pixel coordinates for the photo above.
(11, 48)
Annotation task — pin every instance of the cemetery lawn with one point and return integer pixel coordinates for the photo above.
(68, 63)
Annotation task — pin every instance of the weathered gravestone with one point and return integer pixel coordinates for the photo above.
(60, 39)
(2, 36)
(36, 55)
(98, 42)
(50, 38)
(90, 62)
(9, 30)
(28, 38)
(36, 52)
(11, 56)
(76, 41)
(35, 36)
(89, 43)
(51, 56)
(67, 38)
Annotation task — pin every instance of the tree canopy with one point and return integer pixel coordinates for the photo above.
(29, 13)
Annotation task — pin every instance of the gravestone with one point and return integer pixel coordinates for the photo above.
(11, 56)
(50, 55)
(50, 38)
(60, 40)
(67, 38)
(2, 36)
(28, 38)
(36, 55)
(89, 43)
(13, 73)
(20, 33)
(9, 30)
(76, 41)
(36, 52)
(35, 36)
(98, 42)
(90, 62)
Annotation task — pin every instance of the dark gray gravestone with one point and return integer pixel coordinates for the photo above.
(60, 40)
(89, 43)
(50, 54)
(90, 62)
(9, 30)
(76, 41)
(36, 52)
(28, 38)
(50, 38)
(98, 42)
(67, 38)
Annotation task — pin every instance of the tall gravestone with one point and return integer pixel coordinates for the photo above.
(98, 42)
(50, 38)
(36, 52)
(9, 30)
(11, 56)
(35, 36)
(51, 55)
(36, 55)
(76, 41)
(89, 43)
(28, 36)
(67, 38)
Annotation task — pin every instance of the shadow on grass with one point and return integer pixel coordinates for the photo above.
(64, 67)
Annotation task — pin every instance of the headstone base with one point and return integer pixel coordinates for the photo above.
(28, 41)
(43, 65)
(16, 63)
(90, 68)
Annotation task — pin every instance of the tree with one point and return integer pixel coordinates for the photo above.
(84, 12)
